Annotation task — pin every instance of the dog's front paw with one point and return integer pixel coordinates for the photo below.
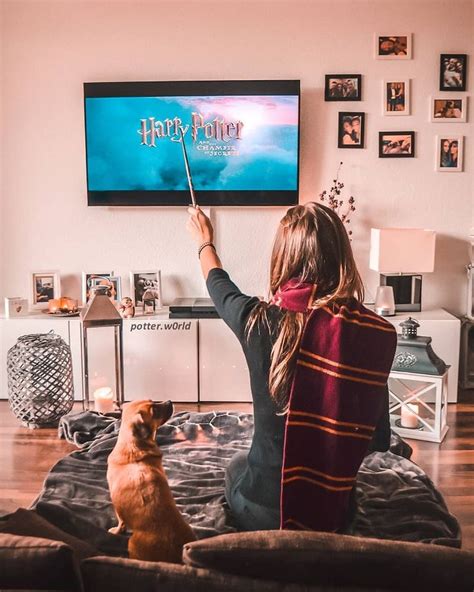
(117, 529)
(114, 530)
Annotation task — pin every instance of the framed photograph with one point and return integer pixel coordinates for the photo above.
(146, 288)
(343, 87)
(351, 130)
(449, 151)
(90, 279)
(16, 307)
(396, 97)
(448, 109)
(396, 144)
(393, 47)
(114, 283)
(45, 285)
(452, 71)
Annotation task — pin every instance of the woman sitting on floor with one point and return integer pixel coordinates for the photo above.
(318, 363)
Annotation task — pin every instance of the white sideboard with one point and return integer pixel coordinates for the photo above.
(180, 360)
(189, 361)
(160, 359)
(223, 373)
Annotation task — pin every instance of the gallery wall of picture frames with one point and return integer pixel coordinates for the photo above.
(396, 102)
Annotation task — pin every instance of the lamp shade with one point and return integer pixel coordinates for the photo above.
(402, 250)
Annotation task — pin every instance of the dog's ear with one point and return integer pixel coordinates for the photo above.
(140, 429)
(162, 411)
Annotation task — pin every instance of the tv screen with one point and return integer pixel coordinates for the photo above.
(241, 140)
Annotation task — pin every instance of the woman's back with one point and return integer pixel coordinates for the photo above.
(312, 267)
(261, 483)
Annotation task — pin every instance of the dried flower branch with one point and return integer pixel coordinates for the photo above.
(332, 199)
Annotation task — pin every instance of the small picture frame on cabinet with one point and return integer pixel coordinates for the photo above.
(113, 282)
(91, 279)
(16, 307)
(45, 285)
(145, 287)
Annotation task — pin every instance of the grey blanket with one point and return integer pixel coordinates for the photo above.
(395, 498)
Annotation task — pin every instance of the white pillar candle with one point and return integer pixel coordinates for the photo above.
(409, 419)
(104, 400)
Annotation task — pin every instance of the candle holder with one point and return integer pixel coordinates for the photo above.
(419, 405)
(98, 313)
(104, 400)
(414, 352)
(418, 387)
(409, 417)
(385, 301)
(63, 307)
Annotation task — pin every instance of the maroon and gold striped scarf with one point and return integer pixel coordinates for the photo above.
(335, 403)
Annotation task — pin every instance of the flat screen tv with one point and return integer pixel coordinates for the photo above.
(241, 139)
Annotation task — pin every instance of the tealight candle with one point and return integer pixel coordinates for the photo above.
(53, 305)
(104, 400)
(67, 304)
(409, 419)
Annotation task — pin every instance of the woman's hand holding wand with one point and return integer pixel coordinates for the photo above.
(200, 228)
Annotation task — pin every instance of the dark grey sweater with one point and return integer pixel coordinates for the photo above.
(261, 482)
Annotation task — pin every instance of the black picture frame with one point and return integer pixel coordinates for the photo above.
(341, 132)
(396, 133)
(460, 57)
(327, 89)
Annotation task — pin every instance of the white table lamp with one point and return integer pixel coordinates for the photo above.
(401, 255)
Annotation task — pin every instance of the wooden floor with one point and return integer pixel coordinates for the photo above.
(27, 455)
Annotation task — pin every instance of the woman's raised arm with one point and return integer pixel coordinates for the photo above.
(200, 228)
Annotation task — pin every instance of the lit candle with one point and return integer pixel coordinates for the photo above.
(53, 305)
(409, 417)
(67, 304)
(104, 400)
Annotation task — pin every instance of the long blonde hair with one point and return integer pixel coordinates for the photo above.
(311, 245)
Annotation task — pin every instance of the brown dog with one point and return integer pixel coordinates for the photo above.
(139, 489)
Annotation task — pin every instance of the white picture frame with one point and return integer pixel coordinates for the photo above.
(116, 285)
(15, 307)
(138, 285)
(396, 93)
(45, 286)
(86, 282)
(398, 46)
(441, 148)
(441, 104)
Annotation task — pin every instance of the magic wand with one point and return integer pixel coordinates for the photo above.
(188, 170)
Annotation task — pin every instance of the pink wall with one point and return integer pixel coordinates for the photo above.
(50, 48)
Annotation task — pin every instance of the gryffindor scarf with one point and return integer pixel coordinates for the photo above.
(335, 403)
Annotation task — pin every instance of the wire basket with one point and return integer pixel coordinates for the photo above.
(40, 383)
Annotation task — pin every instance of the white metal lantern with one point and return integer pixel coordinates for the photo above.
(98, 313)
(419, 405)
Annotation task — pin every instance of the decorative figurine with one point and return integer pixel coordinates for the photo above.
(126, 308)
